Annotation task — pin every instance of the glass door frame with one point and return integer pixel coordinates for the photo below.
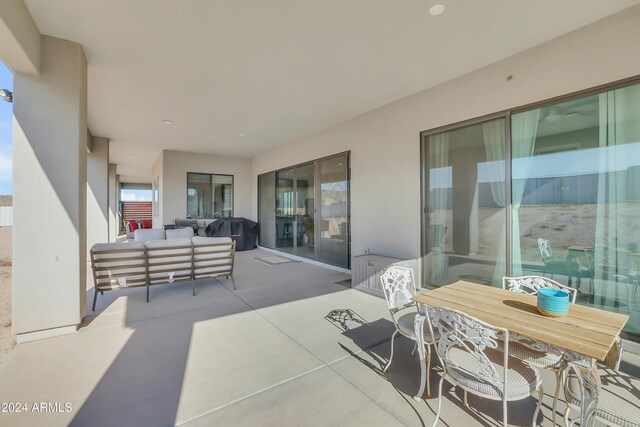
(424, 182)
(314, 162)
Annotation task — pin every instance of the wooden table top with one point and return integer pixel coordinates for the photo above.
(585, 330)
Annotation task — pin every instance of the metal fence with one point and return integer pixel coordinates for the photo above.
(6, 216)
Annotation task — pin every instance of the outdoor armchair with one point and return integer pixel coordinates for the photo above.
(540, 358)
(399, 286)
(475, 357)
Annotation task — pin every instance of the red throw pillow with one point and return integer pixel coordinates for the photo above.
(146, 223)
(133, 226)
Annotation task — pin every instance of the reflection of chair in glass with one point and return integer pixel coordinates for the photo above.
(475, 357)
(399, 286)
(580, 264)
(619, 398)
(552, 360)
(551, 265)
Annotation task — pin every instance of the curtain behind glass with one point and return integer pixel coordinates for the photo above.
(617, 235)
(440, 185)
(524, 127)
(494, 142)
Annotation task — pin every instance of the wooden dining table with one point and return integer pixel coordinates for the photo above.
(585, 335)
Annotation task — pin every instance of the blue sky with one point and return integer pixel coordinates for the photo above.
(6, 117)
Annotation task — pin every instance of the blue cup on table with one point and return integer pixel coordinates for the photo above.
(553, 302)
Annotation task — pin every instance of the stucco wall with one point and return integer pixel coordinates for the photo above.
(176, 164)
(98, 192)
(50, 181)
(385, 146)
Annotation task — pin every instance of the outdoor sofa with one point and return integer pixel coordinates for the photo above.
(152, 262)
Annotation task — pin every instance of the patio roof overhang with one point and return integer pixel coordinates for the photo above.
(239, 78)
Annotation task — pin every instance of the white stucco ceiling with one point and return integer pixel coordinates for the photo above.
(280, 69)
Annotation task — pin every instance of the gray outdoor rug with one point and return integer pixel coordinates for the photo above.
(274, 260)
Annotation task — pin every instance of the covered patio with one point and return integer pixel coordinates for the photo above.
(468, 140)
(277, 351)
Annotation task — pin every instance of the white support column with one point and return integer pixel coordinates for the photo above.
(98, 192)
(49, 183)
(113, 204)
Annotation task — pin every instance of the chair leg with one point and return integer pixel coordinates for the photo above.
(465, 401)
(147, 292)
(567, 423)
(535, 414)
(193, 287)
(439, 401)
(233, 282)
(393, 337)
(428, 370)
(504, 411)
(415, 347)
(95, 295)
(555, 396)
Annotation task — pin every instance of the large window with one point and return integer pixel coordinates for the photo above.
(209, 196)
(565, 203)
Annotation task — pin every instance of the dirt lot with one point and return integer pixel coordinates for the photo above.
(7, 340)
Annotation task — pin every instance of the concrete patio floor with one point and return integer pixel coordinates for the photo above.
(288, 347)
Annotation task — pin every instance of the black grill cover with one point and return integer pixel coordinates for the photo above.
(243, 231)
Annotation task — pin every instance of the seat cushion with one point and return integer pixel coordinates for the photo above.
(619, 401)
(521, 378)
(144, 235)
(406, 326)
(179, 233)
(538, 359)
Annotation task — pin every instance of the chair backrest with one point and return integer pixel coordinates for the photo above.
(145, 234)
(545, 249)
(399, 286)
(213, 256)
(530, 284)
(464, 341)
(169, 260)
(118, 265)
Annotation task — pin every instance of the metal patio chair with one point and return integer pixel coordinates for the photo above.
(399, 286)
(543, 357)
(618, 394)
(475, 357)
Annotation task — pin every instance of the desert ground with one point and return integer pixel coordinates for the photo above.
(7, 339)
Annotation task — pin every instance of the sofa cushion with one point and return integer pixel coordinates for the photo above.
(146, 223)
(133, 226)
(179, 233)
(144, 235)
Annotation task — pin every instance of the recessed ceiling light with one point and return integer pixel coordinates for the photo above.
(241, 134)
(131, 156)
(436, 9)
(167, 122)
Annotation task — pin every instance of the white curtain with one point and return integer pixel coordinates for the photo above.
(619, 137)
(524, 127)
(440, 186)
(494, 140)
(494, 135)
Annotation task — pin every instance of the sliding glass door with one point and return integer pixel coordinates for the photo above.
(464, 204)
(304, 210)
(576, 197)
(566, 204)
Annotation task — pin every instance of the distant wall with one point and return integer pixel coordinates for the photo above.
(176, 164)
(385, 143)
(6, 216)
